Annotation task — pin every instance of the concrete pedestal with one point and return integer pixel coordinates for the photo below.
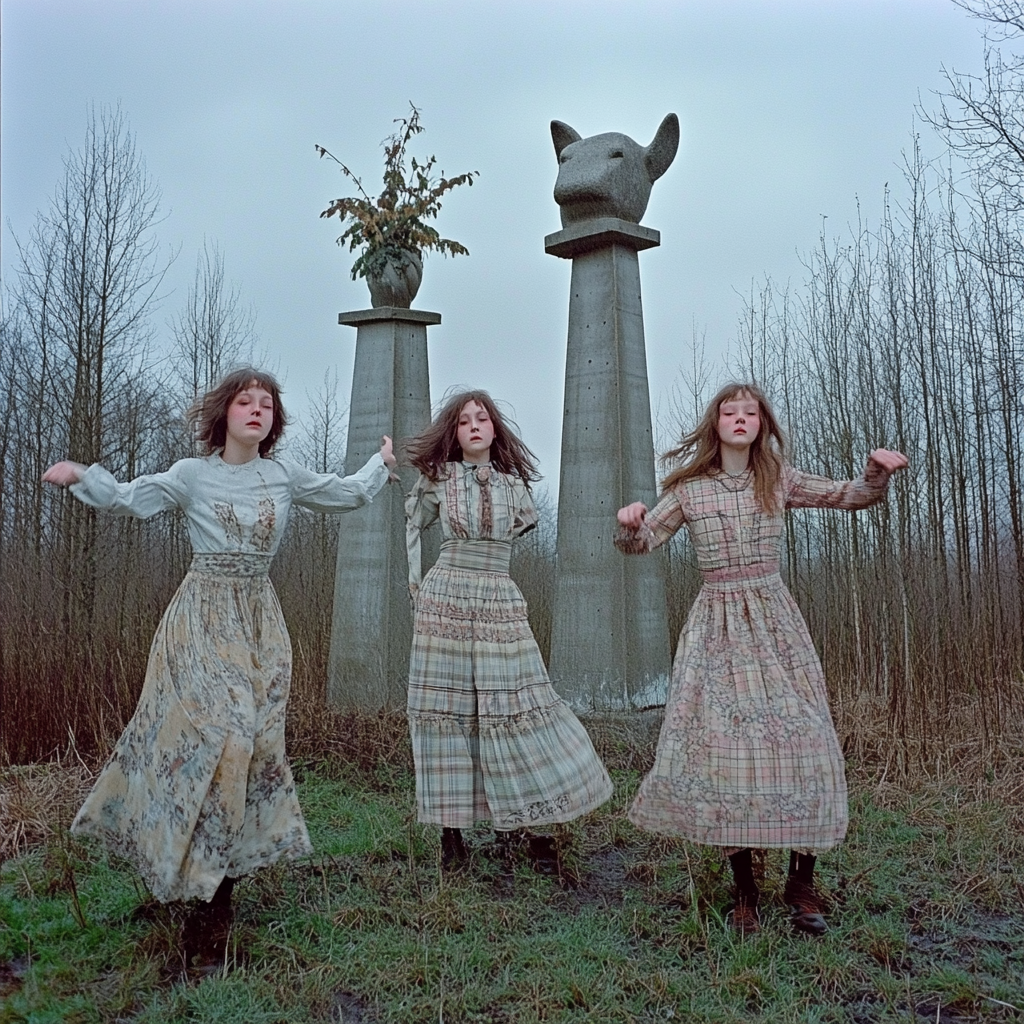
(371, 630)
(609, 645)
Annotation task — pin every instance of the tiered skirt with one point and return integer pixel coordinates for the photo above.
(492, 740)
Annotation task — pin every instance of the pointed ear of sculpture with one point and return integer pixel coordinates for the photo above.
(662, 151)
(562, 135)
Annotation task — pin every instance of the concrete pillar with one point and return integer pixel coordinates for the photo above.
(609, 645)
(371, 630)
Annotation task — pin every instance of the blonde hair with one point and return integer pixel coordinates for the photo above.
(701, 450)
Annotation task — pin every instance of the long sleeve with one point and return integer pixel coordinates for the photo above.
(804, 490)
(524, 512)
(422, 508)
(328, 492)
(660, 523)
(143, 497)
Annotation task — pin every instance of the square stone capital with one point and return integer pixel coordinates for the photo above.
(355, 317)
(586, 235)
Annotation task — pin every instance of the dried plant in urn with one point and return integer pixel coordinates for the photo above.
(392, 231)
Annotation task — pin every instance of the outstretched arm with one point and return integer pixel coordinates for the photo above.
(143, 497)
(329, 492)
(641, 531)
(804, 490)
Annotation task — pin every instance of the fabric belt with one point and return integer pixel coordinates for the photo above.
(754, 575)
(476, 555)
(231, 563)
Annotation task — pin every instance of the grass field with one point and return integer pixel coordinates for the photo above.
(927, 918)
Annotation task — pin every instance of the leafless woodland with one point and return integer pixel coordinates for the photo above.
(904, 334)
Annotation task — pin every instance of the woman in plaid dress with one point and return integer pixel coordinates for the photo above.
(491, 738)
(748, 756)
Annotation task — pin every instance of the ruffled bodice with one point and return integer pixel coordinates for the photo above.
(473, 503)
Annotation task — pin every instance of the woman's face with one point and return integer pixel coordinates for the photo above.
(739, 422)
(475, 433)
(250, 416)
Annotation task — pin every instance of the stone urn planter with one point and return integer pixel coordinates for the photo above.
(398, 283)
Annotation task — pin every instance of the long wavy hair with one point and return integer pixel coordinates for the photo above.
(430, 450)
(700, 451)
(208, 416)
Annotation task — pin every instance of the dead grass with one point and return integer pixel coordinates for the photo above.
(38, 801)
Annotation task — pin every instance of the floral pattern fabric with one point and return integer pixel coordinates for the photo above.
(491, 738)
(748, 755)
(198, 786)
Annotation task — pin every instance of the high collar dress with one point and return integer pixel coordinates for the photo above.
(198, 786)
(491, 738)
(748, 755)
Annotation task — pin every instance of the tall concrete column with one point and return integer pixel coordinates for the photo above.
(371, 630)
(609, 643)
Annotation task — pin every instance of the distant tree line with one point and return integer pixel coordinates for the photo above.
(903, 335)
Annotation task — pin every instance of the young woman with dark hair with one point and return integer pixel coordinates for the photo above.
(198, 791)
(491, 738)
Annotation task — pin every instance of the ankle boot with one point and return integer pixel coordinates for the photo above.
(454, 852)
(744, 918)
(806, 910)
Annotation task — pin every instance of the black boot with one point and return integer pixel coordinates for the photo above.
(744, 918)
(454, 852)
(543, 854)
(806, 911)
(207, 928)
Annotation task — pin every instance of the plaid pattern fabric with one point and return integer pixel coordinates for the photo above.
(491, 738)
(748, 754)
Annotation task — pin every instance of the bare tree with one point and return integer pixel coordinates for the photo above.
(981, 117)
(214, 331)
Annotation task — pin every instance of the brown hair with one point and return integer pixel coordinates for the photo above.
(208, 416)
(701, 449)
(439, 443)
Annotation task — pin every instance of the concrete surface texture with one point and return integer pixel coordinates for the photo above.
(371, 630)
(610, 645)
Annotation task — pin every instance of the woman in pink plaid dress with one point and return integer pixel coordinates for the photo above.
(748, 756)
(491, 738)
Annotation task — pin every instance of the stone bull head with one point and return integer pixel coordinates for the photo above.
(609, 175)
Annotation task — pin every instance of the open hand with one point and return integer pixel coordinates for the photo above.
(632, 515)
(387, 453)
(891, 462)
(64, 473)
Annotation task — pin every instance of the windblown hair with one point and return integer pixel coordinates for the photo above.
(701, 450)
(439, 443)
(208, 416)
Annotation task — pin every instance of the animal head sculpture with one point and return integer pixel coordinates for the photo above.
(609, 175)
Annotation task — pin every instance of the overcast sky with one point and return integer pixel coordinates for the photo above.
(790, 111)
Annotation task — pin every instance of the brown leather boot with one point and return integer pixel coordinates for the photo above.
(806, 909)
(744, 918)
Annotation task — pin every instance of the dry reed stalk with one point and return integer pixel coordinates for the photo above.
(39, 800)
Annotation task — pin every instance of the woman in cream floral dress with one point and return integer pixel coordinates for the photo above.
(748, 755)
(491, 738)
(198, 791)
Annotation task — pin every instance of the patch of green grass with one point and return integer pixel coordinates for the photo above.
(926, 917)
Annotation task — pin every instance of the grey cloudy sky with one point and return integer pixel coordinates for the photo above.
(790, 111)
